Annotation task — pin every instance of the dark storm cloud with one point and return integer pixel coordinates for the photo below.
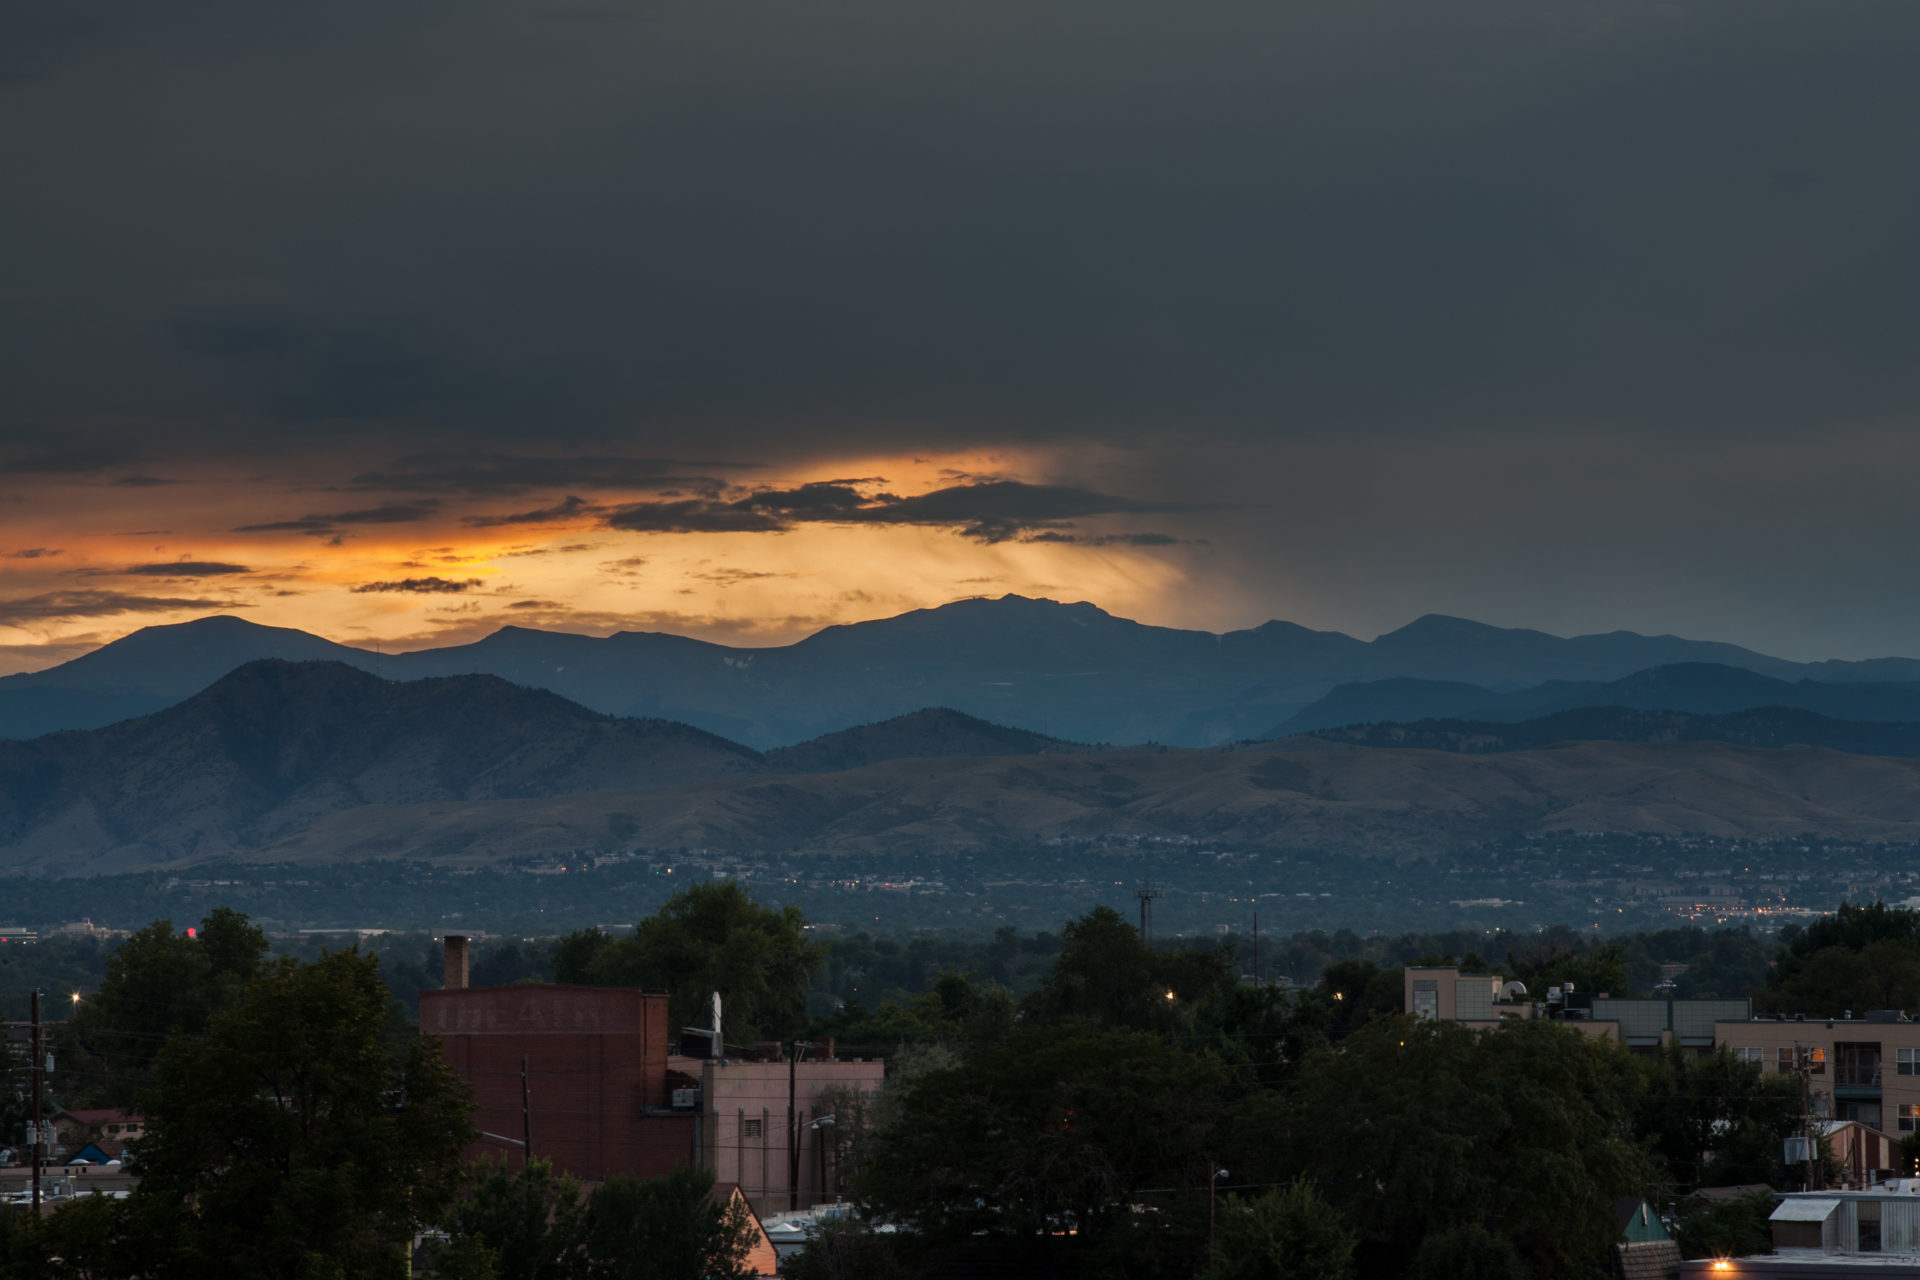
(56, 605)
(570, 508)
(996, 510)
(303, 370)
(991, 511)
(34, 553)
(1242, 239)
(393, 513)
(731, 577)
(186, 569)
(420, 586)
(695, 516)
(756, 230)
(516, 473)
(1106, 539)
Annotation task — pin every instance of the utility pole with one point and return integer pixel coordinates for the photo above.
(793, 1122)
(1256, 948)
(526, 1115)
(1803, 1060)
(1213, 1181)
(38, 1147)
(1146, 893)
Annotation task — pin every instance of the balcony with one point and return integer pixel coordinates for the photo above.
(1857, 1081)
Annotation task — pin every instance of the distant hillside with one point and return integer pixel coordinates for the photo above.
(936, 731)
(1065, 670)
(275, 745)
(150, 669)
(1696, 687)
(1335, 801)
(1772, 727)
(320, 761)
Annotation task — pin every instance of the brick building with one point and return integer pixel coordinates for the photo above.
(594, 1074)
(583, 1068)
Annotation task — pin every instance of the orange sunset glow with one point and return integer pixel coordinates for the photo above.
(88, 560)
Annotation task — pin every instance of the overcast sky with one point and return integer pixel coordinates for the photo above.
(399, 321)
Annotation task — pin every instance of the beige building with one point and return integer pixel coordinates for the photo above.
(1451, 996)
(1865, 1069)
(1480, 999)
(743, 1129)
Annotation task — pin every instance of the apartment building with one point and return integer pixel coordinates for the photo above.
(1865, 1068)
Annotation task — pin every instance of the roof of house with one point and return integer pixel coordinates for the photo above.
(760, 1255)
(98, 1152)
(1637, 1220)
(1805, 1209)
(1831, 1127)
(1647, 1260)
(100, 1115)
(1716, 1194)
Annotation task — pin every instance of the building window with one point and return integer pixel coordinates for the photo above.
(749, 1128)
(1909, 1117)
(1426, 998)
(1785, 1056)
(1751, 1053)
(1906, 1062)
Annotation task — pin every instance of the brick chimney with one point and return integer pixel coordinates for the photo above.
(456, 966)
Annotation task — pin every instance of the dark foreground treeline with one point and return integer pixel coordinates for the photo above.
(1127, 1111)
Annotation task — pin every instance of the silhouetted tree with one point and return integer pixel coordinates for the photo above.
(288, 1140)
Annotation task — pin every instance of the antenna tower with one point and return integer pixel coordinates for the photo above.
(1146, 893)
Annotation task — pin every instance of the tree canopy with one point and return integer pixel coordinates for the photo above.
(1049, 1131)
(1414, 1128)
(708, 937)
(667, 1228)
(1859, 958)
(1713, 1119)
(159, 983)
(289, 1140)
(530, 1224)
(1286, 1233)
